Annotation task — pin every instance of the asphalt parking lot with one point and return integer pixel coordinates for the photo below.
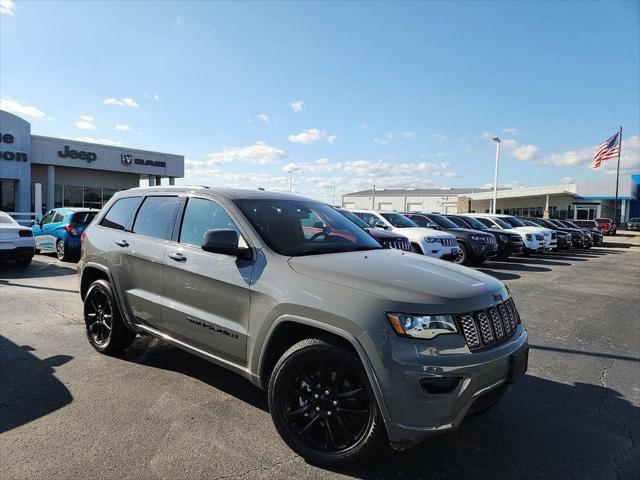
(157, 412)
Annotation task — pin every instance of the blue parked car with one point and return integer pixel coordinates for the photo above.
(60, 229)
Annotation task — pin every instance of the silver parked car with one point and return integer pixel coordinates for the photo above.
(355, 344)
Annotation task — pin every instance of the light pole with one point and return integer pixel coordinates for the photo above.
(290, 172)
(495, 177)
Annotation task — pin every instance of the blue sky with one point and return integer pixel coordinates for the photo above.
(342, 94)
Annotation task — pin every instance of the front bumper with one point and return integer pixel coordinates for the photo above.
(484, 250)
(400, 364)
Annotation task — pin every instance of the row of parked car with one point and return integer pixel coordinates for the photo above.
(473, 238)
(468, 239)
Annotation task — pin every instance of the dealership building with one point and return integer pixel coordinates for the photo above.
(581, 200)
(71, 173)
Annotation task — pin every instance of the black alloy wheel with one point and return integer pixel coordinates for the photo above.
(98, 312)
(104, 327)
(322, 404)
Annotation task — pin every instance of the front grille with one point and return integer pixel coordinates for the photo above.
(539, 237)
(489, 327)
(398, 244)
(516, 238)
(448, 242)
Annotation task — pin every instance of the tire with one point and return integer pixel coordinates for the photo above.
(61, 251)
(463, 257)
(307, 385)
(37, 251)
(104, 326)
(23, 261)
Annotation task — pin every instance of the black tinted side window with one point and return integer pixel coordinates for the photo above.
(120, 213)
(155, 217)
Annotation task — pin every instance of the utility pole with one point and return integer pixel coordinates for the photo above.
(290, 172)
(495, 177)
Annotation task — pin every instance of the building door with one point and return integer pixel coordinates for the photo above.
(385, 206)
(585, 213)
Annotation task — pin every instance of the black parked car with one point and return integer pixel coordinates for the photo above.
(579, 237)
(508, 243)
(475, 246)
(592, 226)
(633, 224)
(565, 239)
(593, 237)
(385, 238)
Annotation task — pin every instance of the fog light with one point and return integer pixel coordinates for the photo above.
(439, 386)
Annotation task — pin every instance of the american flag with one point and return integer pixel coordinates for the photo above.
(607, 149)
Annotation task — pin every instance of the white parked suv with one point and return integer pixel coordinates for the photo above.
(550, 238)
(533, 241)
(16, 242)
(427, 241)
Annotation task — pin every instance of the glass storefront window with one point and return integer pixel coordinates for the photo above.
(8, 195)
(57, 196)
(93, 197)
(107, 193)
(73, 196)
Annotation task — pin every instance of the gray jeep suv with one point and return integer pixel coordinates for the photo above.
(355, 344)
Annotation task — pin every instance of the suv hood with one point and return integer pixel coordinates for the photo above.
(385, 234)
(418, 233)
(406, 278)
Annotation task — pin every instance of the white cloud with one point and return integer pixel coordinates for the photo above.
(87, 118)
(511, 131)
(264, 118)
(7, 7)
(122, 102)
(102, 141)
(566, 180)
(14, 106)
(297, 106)
(408, 135)
(122, 127)
(84, 125)
(526, 152)
(319, 166)
(259, 153)
(440, 137)
(384, 140)
(312, 135)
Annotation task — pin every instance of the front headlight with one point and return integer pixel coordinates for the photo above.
(431, 239)
(477, 238)
(504, 238)
(421, 326)
(529, 237)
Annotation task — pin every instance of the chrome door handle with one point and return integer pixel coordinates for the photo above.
(178, 257)
(122, 243)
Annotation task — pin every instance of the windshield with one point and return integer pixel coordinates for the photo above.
(398, 221)
(475, 223)
(571, 224)
(354, 218)
(298, 227)
(501, 222)
(5, 218)
(442, 221)
(513, 221)
(557, 223)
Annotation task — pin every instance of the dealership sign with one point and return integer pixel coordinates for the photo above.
(128, 159)
(79, 154)
(10, 154)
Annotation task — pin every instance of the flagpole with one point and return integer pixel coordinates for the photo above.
(615, 209)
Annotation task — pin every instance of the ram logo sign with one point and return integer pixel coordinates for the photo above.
(126, 159)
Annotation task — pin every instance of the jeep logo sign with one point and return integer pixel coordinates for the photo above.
(126, 159)
(81, 155)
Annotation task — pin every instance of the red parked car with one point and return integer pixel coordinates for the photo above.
(606, 226)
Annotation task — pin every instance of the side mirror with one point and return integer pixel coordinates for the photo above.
(434, 226)
(225, 242)
(34, 222)
(380, 225)
(319, 225)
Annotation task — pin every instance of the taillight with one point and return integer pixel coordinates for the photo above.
(25, 233)
(71, 229)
